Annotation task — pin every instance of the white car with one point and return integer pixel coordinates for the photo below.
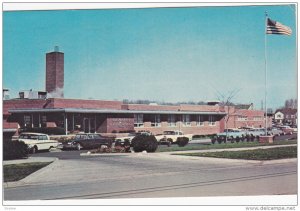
(171, 137)
(37, 141)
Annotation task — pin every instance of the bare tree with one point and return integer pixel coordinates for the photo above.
(226, 101)
(291, 103)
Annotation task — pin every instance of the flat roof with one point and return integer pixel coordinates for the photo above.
(110, 111)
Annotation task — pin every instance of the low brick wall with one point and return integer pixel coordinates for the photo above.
(266, 139)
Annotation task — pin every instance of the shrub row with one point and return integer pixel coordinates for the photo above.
(14, 150)
(237, 139)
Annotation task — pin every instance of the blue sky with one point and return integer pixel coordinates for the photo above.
(163, 54)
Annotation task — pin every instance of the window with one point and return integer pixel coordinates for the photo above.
(211, 120)
(156, 121)
(171, 120)
(44, 119)
(27, 120)
(242, 118)
(138, 120)
(257, 118)
(42, 138)
(200, 120)
(186, 120)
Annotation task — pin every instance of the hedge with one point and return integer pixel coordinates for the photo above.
(182, 141)
(14, 150)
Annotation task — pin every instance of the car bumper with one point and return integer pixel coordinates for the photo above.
(65, 147)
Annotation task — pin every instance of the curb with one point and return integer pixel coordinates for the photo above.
(230, 149)
(23, 181)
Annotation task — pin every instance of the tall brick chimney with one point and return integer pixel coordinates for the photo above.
(55, 73)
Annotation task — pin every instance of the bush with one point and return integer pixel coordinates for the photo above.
(46, 130)
(14, 150)
(214, 139)
(144, 142)
(182, 141)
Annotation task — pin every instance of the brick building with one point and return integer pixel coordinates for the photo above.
(114, 116)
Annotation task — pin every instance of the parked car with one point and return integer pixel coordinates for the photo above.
(86, 141)
(275, 131)
(287, 130)
(169, 137)
(231, 134)
(295, 129)
(256, 132)
(37, 141)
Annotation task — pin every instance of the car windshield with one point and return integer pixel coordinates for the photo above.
(169, 132)
(81, 137)
(97, 136)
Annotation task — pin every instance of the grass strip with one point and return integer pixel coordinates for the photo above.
(15, 172)
(256, 154)
(222, 146)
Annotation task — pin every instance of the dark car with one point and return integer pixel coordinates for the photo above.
(86, 141)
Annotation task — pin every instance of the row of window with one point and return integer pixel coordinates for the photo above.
(186, 120)
(28, 120)
(245, 118)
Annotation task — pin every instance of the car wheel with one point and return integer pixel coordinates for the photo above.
(34, 150)
(78, 147)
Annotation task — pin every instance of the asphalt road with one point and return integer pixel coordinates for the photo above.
(153, 175)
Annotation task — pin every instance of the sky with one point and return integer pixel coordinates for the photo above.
(162, 54)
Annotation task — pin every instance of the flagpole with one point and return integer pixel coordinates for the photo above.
(266, 117)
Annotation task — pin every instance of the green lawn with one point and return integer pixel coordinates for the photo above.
(221, 146)
(256, 154)
(15, 172)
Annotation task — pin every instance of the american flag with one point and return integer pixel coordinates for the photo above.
(274, 27)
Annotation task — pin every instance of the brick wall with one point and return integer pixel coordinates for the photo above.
(92, 104)
(182, 107)
(254, 118)
(119, 124)
(185, 107)
(22, 103)
(135, 107)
